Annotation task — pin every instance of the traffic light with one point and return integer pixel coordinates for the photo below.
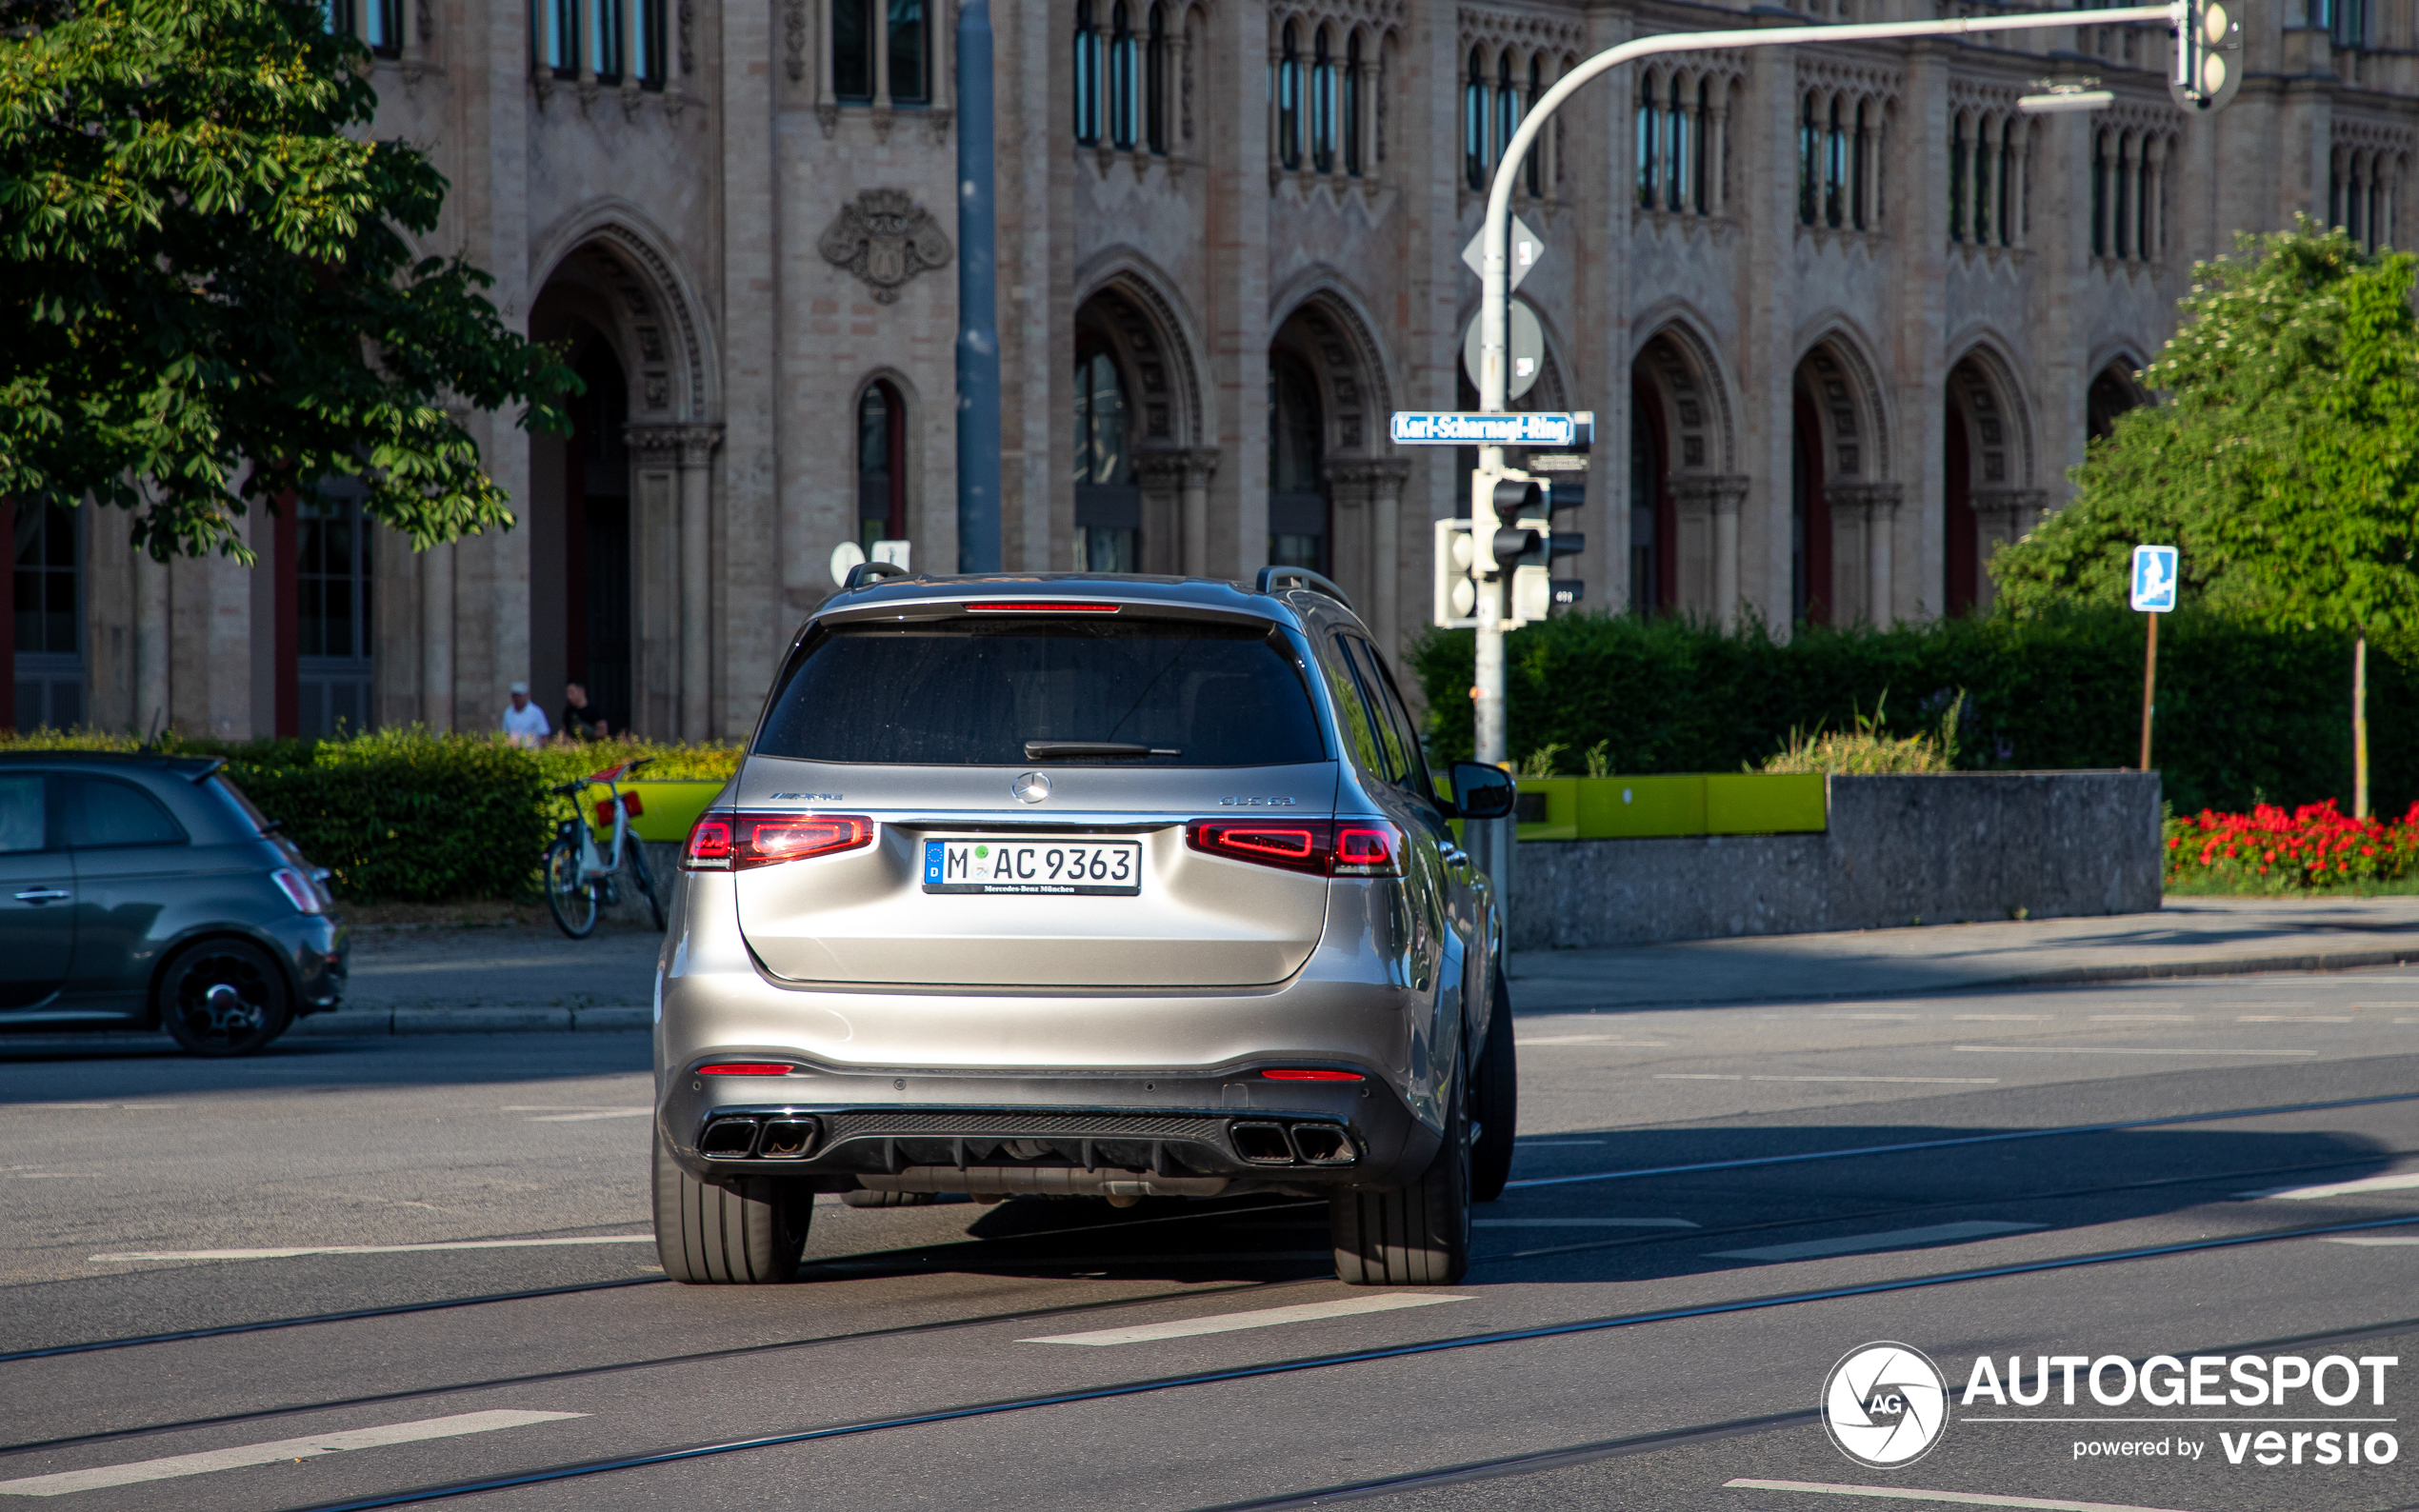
(1496, 496)
(2209, 65)
(1457, 591)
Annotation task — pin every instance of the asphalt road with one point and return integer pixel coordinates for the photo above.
(1712, 1206)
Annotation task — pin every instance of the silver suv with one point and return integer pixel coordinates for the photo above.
(1084, 885)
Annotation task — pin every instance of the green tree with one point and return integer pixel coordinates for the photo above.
(2285, 465)
(207, 298)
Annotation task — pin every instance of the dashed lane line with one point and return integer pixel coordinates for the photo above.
(376, 1250)
(176, 1466)
(1956, 1497)
(1236, 1321)
(2111, 1049)
(2395, 1182)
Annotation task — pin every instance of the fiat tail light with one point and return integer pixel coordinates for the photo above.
(1329, 847)
(742, 841)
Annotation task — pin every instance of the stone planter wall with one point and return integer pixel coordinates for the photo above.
(1950, 849)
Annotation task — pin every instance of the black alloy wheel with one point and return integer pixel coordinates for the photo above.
(1417, 1235)
(223, 997)
(1494, 1102)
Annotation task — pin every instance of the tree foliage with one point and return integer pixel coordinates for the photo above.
(2285, 465)
(207, 300)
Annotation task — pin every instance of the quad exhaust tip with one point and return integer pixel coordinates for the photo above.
(1293, 1144)
(773, 1139)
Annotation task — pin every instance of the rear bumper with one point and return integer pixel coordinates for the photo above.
(1188, 1135)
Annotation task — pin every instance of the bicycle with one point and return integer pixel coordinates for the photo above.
(579, 876)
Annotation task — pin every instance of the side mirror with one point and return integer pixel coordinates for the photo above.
(1481, 791)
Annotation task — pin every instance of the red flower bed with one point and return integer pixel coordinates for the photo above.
(2271, 850)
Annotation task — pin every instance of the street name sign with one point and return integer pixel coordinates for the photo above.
(2154, 578)
(1446, 427)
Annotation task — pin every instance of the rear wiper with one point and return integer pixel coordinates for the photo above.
(1041, 750)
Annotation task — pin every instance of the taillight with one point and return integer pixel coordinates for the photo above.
(297, 889)
(729, 842)
(1309, 1075)
(1330, 848)
(708, 847)
(745, 1069)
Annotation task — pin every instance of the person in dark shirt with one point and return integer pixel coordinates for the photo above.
(579, 722)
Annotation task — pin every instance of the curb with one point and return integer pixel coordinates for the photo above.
(2071, 976)
(376, 1023)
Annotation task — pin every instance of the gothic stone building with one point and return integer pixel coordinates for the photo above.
(1844, 314)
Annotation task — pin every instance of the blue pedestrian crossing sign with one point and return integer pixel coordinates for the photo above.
(2154, 578)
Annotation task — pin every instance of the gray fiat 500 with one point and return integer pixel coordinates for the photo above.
(142, 891)
(1084, 885)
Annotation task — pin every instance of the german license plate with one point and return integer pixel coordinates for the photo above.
(1064, 867)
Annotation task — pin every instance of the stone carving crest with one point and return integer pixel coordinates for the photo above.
(886, 238)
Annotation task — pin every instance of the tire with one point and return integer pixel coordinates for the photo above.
(222, 998)
(1495, 1104)
(636, 861)
(750, 1233)
(1416, 1236)
(572, 901)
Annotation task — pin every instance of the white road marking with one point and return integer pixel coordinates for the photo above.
(2291, 1017)
(1231, 1322)
(2377, 1239)
(1958, 1498)
(1555, 1145)
(120, 1107)
(1700, 1076)
(1861, 1244)
(1590, 1038)
(376, 1250)
(582, 1118)
(2397, 1182)
(1583, 1222)
(2109, 1049)
(284, 1449)
(2141, 1018)
(2003, 1018)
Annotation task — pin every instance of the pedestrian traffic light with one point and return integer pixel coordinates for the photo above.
(2209, 66)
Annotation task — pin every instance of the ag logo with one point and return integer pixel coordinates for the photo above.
(1885, 1405)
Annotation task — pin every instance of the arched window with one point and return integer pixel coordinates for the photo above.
(1087, 72)
(1649, 143)
(853, 52)
(1154, 78)
(2100, 194)
(558, 31)
(1957, 170)
(2145, 202)
(1533, 170)
(2122, 242)
(1861, 163)
(1289, 98)
(1107, 505)
(1983, 192)
(1835, 169)
(1810, 163)
(881, 465)
(910, 81)
(1353, 105)
(1297, 470)
(1701, 182)
(1125, 76)
(1506, 105)
(603, 37)
(1322, 105)
(1683, 146)
(1474, 123)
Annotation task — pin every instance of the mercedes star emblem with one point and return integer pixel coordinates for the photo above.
(1031, 788)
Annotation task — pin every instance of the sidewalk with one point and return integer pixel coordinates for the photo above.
(474, 981)
(2187, 937)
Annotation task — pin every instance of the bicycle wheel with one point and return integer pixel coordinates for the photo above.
(636, 861)
(571, 901)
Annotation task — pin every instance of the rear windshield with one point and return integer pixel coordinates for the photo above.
(970, 692)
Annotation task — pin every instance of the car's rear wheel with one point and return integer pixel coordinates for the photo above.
(1495, 1104)
(1416, 1236)
(223, 997)
(750, 1232)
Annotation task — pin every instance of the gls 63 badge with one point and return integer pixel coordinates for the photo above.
(1885, 1405)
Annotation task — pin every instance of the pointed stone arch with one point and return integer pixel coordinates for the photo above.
(1683, 520)
(1844, 501)
(1322, 330)
(1990, 493)
(1124, 312)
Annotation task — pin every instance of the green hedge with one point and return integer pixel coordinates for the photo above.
(410, 817)
(2245, 715)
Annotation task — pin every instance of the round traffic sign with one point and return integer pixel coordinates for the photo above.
(1524, 349)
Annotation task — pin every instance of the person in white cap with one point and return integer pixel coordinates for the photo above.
(524, 722)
